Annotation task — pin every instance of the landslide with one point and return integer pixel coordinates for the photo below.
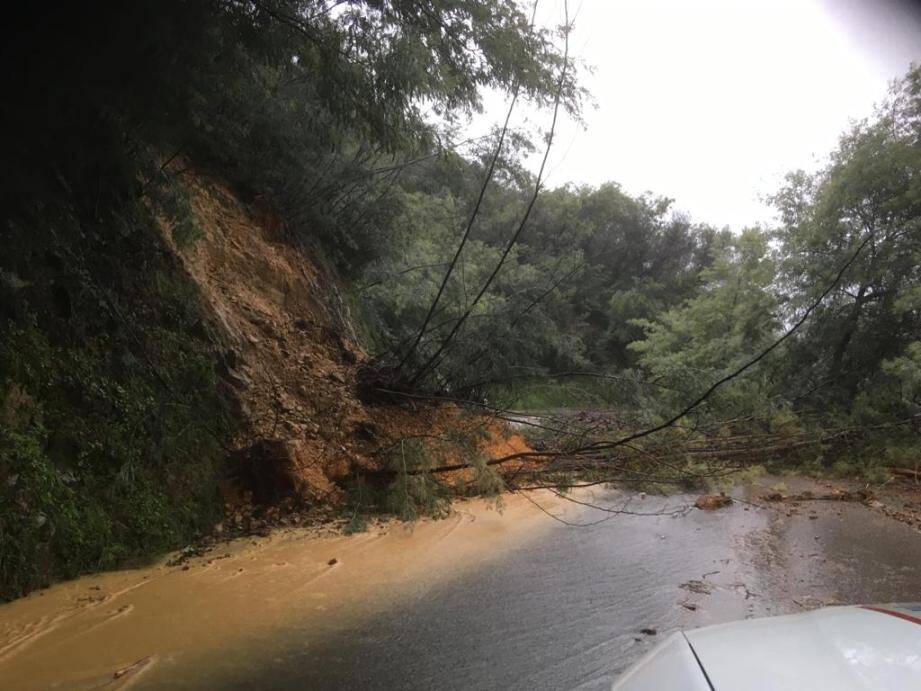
(289, 359)
(171, 357)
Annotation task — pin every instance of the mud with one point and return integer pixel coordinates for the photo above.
(482, 600)
(225, 615)
(290, 363)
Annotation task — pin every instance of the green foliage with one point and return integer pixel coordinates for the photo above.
(588, 262)
(415, 492)
(576, 392)
(308, 103)
(860, 466)
(111, 423)
(906, 371)
(731, 318)
(486, 482)
(412, 490)
(860, 337)
(36, 504)
(171, 199)
(357, 523)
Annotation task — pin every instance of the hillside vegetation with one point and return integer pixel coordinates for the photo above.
(247, 255)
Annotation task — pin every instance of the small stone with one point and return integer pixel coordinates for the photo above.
(649, 631)
(332, 562)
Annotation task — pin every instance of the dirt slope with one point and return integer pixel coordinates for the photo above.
(290, 358)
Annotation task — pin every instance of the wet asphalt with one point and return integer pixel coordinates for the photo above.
(568, 611)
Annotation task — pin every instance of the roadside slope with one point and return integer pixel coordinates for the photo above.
(290, 360)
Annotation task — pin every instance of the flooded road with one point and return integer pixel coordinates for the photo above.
(568, 611)
(562, 612)
(478, 601)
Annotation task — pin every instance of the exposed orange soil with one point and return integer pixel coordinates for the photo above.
(289, 360)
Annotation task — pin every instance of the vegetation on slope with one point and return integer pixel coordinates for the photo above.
(111, 425)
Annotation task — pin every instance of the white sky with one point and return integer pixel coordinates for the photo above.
(710, 102)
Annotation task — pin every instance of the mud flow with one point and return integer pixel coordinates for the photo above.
(484, 599)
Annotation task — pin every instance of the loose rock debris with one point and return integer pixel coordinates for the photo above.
(860, 495)
(710, 502)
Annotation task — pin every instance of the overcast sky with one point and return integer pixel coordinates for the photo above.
(711, 101)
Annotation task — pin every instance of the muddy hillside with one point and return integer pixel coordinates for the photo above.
(289, 359)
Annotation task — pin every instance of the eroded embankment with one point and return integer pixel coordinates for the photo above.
(290, 360)
(142, 625)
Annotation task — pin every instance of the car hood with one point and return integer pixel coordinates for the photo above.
(839, 648)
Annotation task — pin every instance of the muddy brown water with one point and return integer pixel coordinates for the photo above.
(567, 611)
(554, 606)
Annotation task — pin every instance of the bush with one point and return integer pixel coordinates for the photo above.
(111, 424)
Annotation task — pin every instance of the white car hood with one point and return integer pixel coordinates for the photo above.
(840, 648)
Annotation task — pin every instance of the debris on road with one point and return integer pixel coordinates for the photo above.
(860, 495)
(710, 502)
(133, 668)
(699, 587)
